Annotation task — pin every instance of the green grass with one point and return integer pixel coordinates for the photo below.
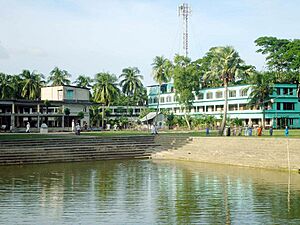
(213, 133)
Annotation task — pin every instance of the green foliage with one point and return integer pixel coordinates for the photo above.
(67, 111)
(131, 82)
(83, 81)
(105, 88)
(32, 83)
(80, 115)
(282, 57)
(59, 77)
(161, 68)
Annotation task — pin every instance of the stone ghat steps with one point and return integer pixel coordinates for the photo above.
(69, 149)
(142, 139)
(171, 142)
(75, 145)
(75, 149)
(78, 158)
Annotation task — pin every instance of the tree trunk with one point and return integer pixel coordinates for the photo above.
(225, 110)
(187, 121)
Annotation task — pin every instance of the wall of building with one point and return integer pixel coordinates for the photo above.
(211, 101)
(59, 93)
(272, 153)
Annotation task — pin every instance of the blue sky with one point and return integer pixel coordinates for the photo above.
(90, 36)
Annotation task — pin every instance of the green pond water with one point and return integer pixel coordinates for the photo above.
(147, 192)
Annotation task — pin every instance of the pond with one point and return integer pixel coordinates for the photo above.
(147, 192)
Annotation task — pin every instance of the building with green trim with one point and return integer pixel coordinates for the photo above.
(283, 110)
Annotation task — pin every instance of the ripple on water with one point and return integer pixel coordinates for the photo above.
(149, 192)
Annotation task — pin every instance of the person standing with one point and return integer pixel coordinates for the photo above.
(271, 131)
(73, 125)
(286, 132)
(77, 129)
(28, 127)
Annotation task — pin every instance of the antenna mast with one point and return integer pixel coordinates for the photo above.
(184, 10)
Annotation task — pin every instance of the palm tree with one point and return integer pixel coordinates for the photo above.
(161, 68)
(225, 64)
(262, 87)
(105, 88)
(32, 83)
(131, 82)
(5, 86)
(16, 85)
(59, 77)
(83, 81)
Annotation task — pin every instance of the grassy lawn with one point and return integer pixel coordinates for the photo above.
(213, 133)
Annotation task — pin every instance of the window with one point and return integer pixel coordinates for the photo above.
(285, 91)
(243, 92)
(150, 100)
(209, 95)
(169, 99)
(288, 106)
(155, 100)
(278, 106)
(162, 99)
(278, 91)
(219, 108)
(200, 96)
(243, 107)
(232, 93)
(219, 94)
(174, 99)
(291, 121)
(70, 94)
(291, 91)
(233, 107)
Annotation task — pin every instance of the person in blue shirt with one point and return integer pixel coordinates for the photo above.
(286, 131)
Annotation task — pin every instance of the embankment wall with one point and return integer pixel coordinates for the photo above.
(271, 153)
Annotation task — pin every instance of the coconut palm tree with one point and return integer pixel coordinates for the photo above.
(131, 81)
(105, 88)
(16, 85)
(5, 86)
(83, 81)
(262, 87)
(161, 68)
(225, 65)
(59, 77)
(32, 83)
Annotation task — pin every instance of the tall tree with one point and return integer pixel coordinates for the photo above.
(282, 57)
(262, 87)
(32, 83)
(5, 86)
(131, 81)
(161, 69)
(225, 65)
(186, 82)
(59, 77)
(105, 88)
(16, 86)
(83, 81)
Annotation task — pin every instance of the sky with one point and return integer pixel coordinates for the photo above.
(85, 37)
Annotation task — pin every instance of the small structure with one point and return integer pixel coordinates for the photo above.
(152, 118)
(44, 129)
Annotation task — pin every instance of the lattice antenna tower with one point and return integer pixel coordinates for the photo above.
(185, 11)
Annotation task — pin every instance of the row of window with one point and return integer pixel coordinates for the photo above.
(234, 107)
(285, 91)
(200, 96)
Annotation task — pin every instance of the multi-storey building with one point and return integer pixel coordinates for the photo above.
(282, 110)
(49, 109)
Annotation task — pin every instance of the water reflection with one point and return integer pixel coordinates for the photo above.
(149, 192)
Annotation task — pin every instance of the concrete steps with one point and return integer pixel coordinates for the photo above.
(75, 149)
